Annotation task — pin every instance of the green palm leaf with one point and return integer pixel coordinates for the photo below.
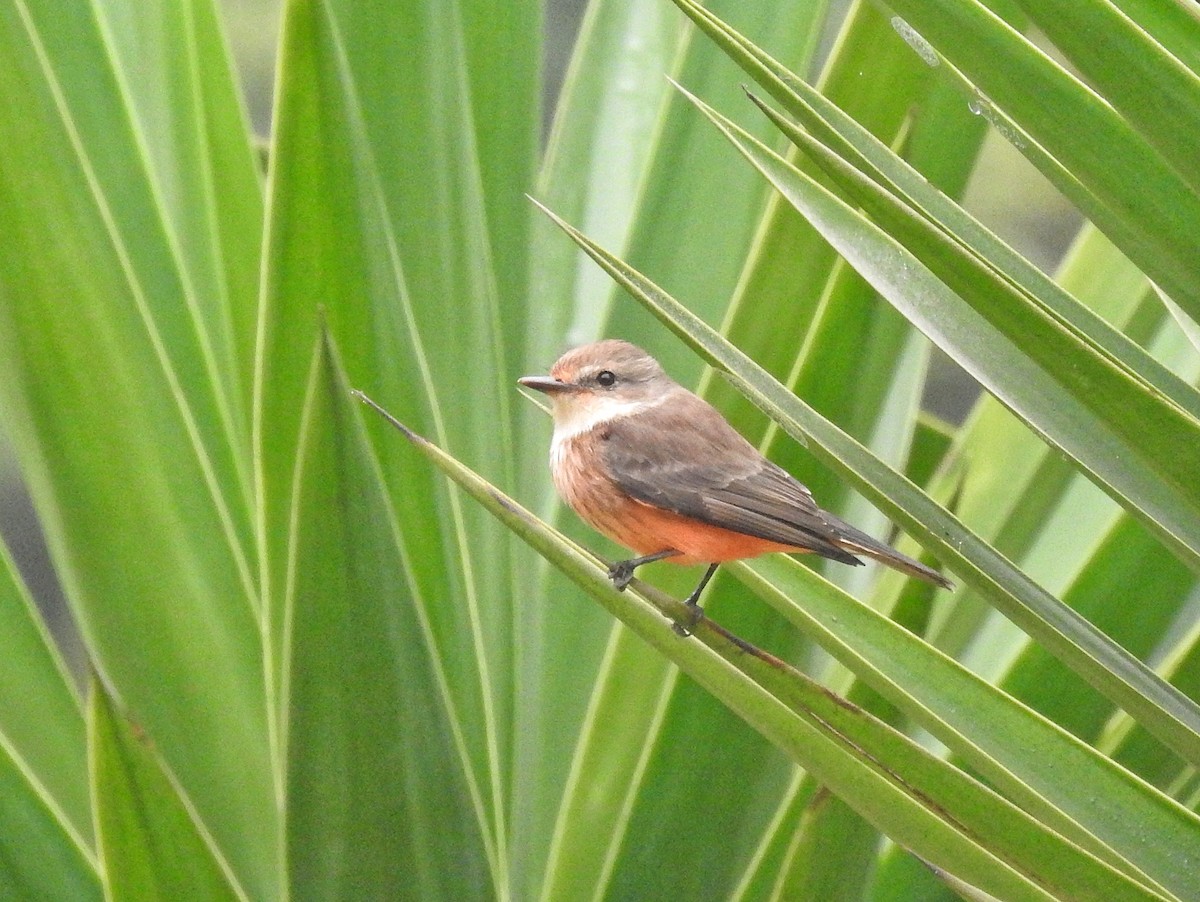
(323, 669)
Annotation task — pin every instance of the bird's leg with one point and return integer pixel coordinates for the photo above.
(695, 612)
(622, 571)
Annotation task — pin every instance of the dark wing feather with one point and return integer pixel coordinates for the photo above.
(697, 465)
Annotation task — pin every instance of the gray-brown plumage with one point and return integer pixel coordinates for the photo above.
(659, 470)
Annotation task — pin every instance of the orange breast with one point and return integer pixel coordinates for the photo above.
(696, 542)
(583, 484)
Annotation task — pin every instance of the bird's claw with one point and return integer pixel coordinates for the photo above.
(695, 615)
(621, 573)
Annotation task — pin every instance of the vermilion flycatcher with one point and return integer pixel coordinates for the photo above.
(658, 470)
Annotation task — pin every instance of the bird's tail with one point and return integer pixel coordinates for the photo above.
(857, 542)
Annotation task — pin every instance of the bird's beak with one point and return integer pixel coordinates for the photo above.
(546, 384)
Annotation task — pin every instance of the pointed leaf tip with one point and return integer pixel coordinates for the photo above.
(379, 408)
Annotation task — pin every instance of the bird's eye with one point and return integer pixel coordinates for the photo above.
(606, 378)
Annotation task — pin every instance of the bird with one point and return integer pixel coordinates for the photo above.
(659, 470)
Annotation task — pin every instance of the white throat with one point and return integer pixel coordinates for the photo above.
(582, 421)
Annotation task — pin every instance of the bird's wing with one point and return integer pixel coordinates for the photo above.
(697, 465)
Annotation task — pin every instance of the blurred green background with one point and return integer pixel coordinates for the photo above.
(348, 674)
(1014, 200)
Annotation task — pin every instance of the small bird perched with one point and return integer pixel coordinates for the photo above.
(657, 469)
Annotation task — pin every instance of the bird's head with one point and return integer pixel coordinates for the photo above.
(601, 381)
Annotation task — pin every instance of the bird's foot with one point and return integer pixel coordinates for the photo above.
(692, 603)
(695, 614)
(621, 573)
